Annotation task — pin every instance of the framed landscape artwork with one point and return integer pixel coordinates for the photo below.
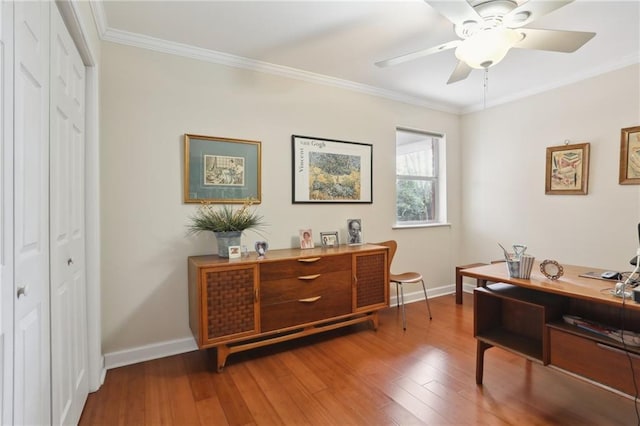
(331, 171)
(630, 156)
(221, 170)
(567, 169)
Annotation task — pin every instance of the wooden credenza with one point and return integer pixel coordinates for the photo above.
(241, 304)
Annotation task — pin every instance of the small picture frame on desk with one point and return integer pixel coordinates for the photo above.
(354, 231)
(235, 252)
(329, 239)
(306, 239)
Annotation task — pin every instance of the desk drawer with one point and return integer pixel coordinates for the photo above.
(305, 266)
(599, 362)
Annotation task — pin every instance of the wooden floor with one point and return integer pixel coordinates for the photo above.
(358, 376)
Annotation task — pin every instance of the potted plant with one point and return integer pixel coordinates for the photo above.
(227, 223)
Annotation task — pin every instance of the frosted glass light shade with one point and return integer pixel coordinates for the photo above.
(486, 48)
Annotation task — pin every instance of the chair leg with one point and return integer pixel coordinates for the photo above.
(426, 298)
(397, 295)
(404, 317)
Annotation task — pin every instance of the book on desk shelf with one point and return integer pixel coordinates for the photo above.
(623, 336)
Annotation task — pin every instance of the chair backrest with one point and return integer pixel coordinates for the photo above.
(393, 246)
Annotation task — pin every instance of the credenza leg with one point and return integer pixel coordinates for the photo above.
(223, 353)
(482, 346)
(374, 320)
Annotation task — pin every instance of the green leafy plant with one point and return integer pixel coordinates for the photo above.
(216, 218)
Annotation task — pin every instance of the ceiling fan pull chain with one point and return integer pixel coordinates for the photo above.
(486, 86)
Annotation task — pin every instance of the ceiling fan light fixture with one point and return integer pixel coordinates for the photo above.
(486, 48)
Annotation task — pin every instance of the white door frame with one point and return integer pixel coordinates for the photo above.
(77, 29)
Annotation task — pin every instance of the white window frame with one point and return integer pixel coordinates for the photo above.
(440, 195)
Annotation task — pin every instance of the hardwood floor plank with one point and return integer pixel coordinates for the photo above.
(357, 376)
(254, 397)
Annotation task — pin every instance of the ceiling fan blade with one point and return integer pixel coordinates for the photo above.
(455, 11)
(553, 40)
(530, 11)
(461, 72)
(419, 54)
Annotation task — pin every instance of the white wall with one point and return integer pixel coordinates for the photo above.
(503, 177)
(150, 100)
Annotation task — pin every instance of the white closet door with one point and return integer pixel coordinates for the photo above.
(69, 360)
(31, 213)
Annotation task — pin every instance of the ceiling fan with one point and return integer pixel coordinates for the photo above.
(489, 28)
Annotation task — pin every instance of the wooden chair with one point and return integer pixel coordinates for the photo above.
(404, 278)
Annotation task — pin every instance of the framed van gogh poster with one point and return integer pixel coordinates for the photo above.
(221, 170)
(567, 170)
(630, 156)
(331, 171)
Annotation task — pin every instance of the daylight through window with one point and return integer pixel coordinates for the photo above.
(417, 177)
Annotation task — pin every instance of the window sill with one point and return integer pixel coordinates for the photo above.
(421, 225)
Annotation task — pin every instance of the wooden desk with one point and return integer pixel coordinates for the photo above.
(526, 317)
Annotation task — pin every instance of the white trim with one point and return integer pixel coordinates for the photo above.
(149, 352)
(77, 29)
(623, 62)
(418, 295)
(197, 53)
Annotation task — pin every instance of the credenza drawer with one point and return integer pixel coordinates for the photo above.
(292, 268)
(305, 303)
(305, 286)
(594, 360)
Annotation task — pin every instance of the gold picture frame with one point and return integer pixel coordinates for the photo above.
(567, 171)
(221, 170)
(630, 156)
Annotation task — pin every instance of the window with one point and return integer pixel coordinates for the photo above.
(418, 184)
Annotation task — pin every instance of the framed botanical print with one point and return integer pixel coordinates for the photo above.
(630, 156)
(221, 170)
(567, 170)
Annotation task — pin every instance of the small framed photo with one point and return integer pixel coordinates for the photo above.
(235, 252)
(354, 228)
(329, 239)
(306, 239)
(261, 248)
(630, 156)
(567, 170)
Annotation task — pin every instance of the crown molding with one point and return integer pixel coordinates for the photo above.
(221, 58)
(623, 62)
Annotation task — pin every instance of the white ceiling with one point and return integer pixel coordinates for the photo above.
(338, 42)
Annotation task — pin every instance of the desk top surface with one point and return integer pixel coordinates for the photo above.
(570, 284)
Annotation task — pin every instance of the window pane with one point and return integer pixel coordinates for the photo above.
(415, 158)
(415, 200)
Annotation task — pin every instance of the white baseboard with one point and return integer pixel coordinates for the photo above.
(418, 295)
(149, 352)
(188, 344)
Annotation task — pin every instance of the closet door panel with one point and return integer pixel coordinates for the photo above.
(70, 385)
(31, 213)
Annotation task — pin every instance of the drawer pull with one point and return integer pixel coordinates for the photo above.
(310, 299)
(618, 351)
(309, 277)
(309, 259)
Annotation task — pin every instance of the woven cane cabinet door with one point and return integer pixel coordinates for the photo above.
(229, 303)
(371, 286)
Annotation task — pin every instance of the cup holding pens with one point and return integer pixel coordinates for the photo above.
(525, 267)
(520, 267)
